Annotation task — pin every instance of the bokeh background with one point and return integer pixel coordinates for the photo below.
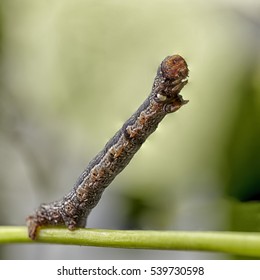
(71, 72)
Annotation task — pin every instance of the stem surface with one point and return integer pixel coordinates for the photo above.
(238, 243)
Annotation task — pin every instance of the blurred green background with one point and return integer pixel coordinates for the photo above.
(71, 72)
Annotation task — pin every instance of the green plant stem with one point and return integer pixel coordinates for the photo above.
(239, 243)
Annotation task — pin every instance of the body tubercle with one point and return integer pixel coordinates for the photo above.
(73, 209)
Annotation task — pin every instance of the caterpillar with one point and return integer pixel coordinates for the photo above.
(73, 209)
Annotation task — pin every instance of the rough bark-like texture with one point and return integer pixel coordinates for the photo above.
(73, 209)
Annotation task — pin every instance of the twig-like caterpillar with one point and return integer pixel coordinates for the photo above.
(73, 209)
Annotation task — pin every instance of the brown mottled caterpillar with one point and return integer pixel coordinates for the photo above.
(73, 209)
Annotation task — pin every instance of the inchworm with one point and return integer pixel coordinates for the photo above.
(73, 209)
